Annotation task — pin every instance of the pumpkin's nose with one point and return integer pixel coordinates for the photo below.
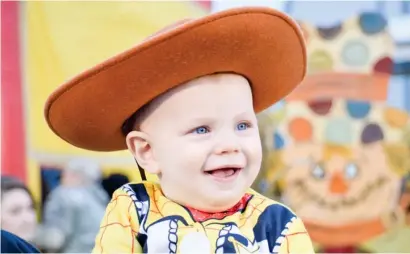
(338, 184)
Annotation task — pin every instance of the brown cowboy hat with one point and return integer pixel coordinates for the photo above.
(262, 44)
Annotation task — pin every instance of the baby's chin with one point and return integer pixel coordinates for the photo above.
(209, 200)
(217, 203)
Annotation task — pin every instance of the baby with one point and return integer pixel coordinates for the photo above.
(184, 103)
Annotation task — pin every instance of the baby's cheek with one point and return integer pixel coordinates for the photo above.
(253, 154)
(254, 151)
(192, 159)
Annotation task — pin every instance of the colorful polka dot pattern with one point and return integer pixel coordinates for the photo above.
(355, 53)
(340, 122)
(372, 23)
(371, 133)
(339, 131)
(279, 142)
(358, 109)
(361, 44)
(384, 65)
(320, 60)
(330, 33)
(300, 129)
(320, 107)
(396, 118)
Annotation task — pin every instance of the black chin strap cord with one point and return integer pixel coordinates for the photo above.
(142, 171)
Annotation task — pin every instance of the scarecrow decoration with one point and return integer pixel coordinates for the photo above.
(336, 153)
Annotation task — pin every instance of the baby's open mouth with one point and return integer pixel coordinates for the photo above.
(223, 172)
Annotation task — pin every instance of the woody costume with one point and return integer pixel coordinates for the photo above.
(262, 44)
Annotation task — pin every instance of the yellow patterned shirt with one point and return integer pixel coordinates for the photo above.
(140, 219)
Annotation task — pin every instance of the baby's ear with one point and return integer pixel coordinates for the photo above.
(139, 146)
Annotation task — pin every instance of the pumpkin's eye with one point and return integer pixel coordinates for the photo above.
(318, 172)
(351, 171)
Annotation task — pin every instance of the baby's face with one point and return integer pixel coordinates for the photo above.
(203, 141)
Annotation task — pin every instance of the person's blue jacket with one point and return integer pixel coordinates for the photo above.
(11, 243)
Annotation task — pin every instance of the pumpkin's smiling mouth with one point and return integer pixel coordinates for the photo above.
(301, 187)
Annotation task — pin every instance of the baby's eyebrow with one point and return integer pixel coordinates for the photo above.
(245, 114)
(200, 120)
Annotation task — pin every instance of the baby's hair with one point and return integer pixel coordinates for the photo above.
(129, 124)
(132, 123)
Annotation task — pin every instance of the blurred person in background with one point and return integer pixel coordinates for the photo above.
(10, 243)
(73, 210)
(18, 214)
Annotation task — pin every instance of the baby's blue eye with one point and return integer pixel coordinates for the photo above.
(242, 126)
(201, 130)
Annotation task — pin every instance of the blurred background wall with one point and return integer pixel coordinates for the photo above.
(46, 43)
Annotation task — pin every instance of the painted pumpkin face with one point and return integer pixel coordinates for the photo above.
(335, 150)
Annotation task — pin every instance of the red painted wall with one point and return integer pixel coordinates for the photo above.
(13, 157)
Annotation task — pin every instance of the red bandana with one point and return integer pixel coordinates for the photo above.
(200, 216)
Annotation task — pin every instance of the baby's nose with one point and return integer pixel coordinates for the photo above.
(227, 149)
(227, 146)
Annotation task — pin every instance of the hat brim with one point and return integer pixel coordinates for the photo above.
(262, 44)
